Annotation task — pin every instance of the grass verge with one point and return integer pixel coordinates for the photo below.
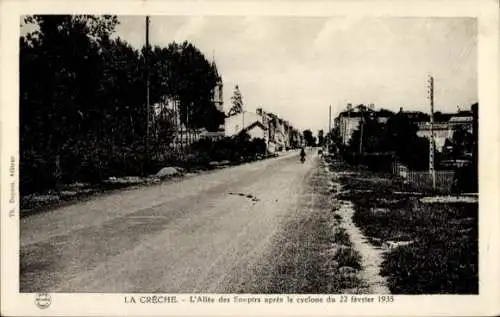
(313, 253)
(431, 248)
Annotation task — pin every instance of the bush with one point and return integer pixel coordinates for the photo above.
(36, 174)
(258, 146)
(237, 149)
(466, 179)
(86, 162)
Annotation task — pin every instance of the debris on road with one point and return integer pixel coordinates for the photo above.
(249, 196)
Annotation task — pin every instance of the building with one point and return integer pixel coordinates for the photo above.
(446, 126)
(245, 121)
(462, 119)
(183, 136)
(256, 130)
(278, 133)
(218, 98)
(441, 130)
(217, 93)
(236, 123)
(348, 121)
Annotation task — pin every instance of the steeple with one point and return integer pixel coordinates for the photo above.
(214, 66)
(217, 93)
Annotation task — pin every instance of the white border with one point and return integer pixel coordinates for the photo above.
(486, 11)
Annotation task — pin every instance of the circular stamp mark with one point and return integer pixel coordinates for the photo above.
(43, 300)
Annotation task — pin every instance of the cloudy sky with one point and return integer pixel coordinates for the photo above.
(298, 66)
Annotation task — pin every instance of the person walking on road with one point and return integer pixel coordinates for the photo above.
(302, 155)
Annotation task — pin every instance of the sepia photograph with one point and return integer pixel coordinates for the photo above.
(247, 155)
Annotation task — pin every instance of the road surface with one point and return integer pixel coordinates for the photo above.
(221, 232)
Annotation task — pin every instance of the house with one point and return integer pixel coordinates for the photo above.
(444, 129)
(236, 123)
(255, 130)
(462, 119)
(278, 133)
(348, 121)
(441, 131)
(248, 122)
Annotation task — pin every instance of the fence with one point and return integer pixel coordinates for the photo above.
(423, 179)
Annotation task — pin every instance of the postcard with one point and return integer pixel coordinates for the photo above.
(251, 158)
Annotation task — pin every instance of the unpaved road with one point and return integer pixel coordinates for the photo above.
(219, 232)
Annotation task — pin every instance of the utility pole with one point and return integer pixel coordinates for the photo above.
(361, 132)
(347, 124)
(187, 128)
(242, 118)
(431, 143)
(475, 145)
(182, 130)
(268, 134)
(146, 60)
(329, 129)
(334, 126)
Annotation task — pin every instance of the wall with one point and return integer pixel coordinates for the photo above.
(256, 132)
(347, 127)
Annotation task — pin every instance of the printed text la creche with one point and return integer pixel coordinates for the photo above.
(279, 299)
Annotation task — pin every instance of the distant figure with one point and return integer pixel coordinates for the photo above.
(302, 155)
(320, 153)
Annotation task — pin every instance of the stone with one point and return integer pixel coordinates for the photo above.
(46, 199)
(167, 172)
(68, 193)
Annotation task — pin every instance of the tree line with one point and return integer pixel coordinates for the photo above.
(83, 112)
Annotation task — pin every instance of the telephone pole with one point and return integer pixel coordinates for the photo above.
(361, 132)
(329, 129)
(347, 126)
(431, 143)
(146, 60)
(242, 118)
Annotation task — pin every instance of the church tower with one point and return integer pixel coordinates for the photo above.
(218, 98)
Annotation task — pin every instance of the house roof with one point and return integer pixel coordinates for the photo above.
(252, 125)
(248, 126)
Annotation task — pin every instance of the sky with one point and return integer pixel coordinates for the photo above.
(297, 67)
